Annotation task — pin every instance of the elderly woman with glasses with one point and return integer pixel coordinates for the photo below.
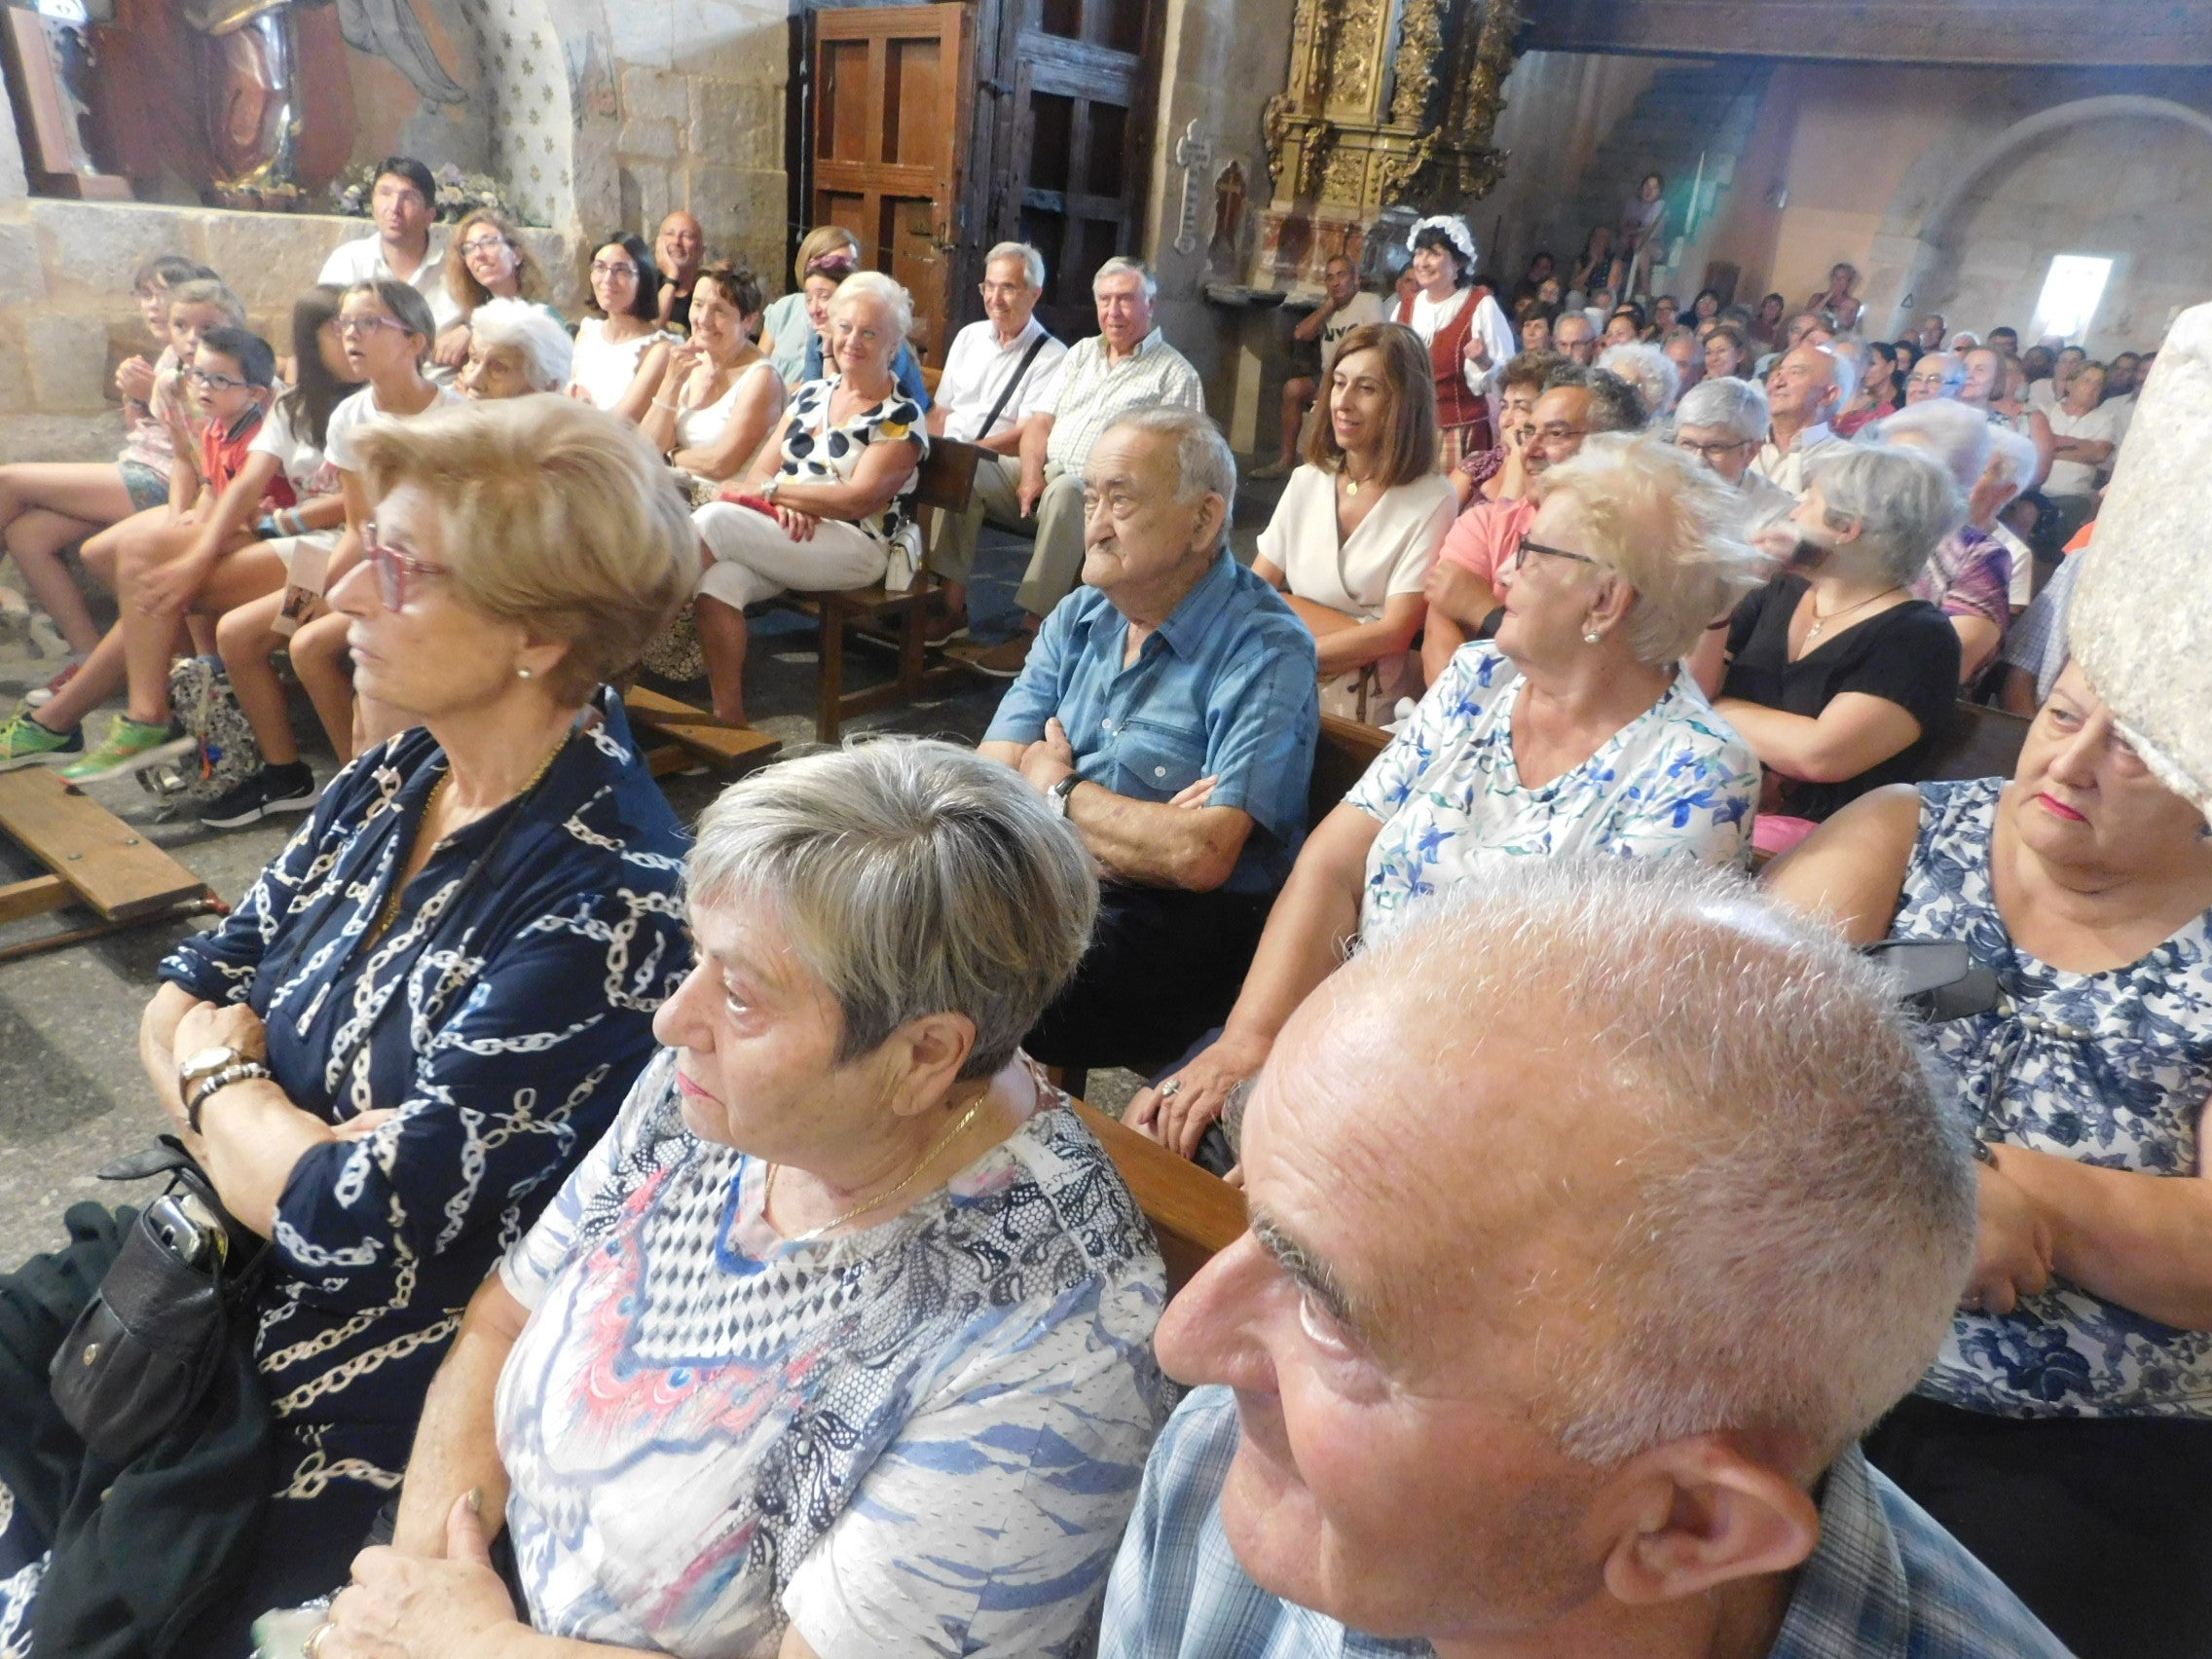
(1575, 731)
(825, 502)
(425, 1012)
(2064, 1434)
(841, 1341)
(1836, 674)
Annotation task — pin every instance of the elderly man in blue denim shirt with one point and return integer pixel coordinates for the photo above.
(1170, 710)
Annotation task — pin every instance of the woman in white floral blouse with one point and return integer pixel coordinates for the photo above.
(823, 508)
(1575, 732)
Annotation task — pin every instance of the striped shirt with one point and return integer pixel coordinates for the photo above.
(1095, 393)
(1885, 1582)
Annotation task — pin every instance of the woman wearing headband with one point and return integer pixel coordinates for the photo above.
(1467, 336)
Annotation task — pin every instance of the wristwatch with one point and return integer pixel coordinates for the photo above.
(196, 1069)
(237, 1071)
(1058, 794)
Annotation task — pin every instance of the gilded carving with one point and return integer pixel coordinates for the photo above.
(1421, 47)
(1359, 36)
(1344, 180)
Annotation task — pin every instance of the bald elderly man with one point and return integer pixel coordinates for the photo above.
(1553, 1335)
(679, 250)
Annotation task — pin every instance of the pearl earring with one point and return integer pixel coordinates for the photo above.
(525, 673)
(1592, 638)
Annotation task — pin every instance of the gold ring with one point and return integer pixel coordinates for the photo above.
(312, 1648)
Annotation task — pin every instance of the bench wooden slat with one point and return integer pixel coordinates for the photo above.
(109, 864)
(1192, 1213)
(34, 897)
(713, 740)
(1344, 752)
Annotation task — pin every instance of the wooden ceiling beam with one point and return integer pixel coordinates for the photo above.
(2166, 34)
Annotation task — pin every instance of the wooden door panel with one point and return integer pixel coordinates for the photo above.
(894, 93)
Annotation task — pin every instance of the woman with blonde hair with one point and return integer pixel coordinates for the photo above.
(1359, 523)
(425, 1012)
(785, 326)
(1576, 731)
(486, 260)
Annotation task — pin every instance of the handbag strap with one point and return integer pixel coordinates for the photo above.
(1005, 391)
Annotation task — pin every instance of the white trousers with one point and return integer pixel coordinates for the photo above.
(754, 557)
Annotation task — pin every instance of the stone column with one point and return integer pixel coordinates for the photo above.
(2142, 617)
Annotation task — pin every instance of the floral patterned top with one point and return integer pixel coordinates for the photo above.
(1676, 781)
(818, 452)
(2110, 1069)
(923, 1438)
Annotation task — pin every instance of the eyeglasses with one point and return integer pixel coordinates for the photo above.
(1710, 454)
(394, 570)
(214, 382)
(614, 268)
(485, 245)
(1524, 547)
(349, 326)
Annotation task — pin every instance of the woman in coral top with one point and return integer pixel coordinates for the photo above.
(1465, 331)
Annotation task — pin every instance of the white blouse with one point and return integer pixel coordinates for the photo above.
(604, 367)
(1389, 552)
(697, 427)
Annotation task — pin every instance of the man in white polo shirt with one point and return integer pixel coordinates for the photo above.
(1126, 366)
(406, 249)
(999, 375)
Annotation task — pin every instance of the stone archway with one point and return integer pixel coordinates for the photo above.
(1915, 236)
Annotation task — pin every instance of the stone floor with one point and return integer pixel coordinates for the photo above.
(72, 1095)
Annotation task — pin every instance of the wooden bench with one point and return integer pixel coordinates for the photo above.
(96, 859)
(1977, 741)
(941, 485)
(692, 734)
(1344, 752)
(1192, 1213)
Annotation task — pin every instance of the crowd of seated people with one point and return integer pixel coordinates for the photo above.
(680, 1245)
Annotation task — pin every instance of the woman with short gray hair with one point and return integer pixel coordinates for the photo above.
(1970, 575)
(1575, 732)
(1836, 674)
(840, 1339)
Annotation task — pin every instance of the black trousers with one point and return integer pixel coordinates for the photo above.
(1163, 968)
(2102, 1526)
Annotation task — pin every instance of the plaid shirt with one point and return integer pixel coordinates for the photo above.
(2037, 642)
(1095, 393)
(1886, 1582)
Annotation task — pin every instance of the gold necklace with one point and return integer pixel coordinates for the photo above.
(929, 1157)
(391, 911)
(1352, 484)
(1819, 622)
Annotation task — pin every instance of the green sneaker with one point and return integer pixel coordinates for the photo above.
(23, 742)
(128, 744)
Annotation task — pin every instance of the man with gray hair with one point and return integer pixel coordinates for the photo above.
(1000, 375)
(1807, 387)
(1722, 423)
(1126, 366)
(1170, 712)
(1555, 1334)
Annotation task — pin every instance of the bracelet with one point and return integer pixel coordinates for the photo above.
(238, 1071)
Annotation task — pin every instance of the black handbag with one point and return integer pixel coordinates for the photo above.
(145, 1349)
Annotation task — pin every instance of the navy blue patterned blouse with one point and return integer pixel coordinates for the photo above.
(504, 1013)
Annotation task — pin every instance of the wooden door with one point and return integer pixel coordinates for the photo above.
(1070, 160)
(892, 88)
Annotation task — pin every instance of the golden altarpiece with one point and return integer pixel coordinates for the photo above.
(1391, 105)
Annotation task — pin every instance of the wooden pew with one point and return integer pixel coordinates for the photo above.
(1977, 741)
(1345, 750)
(692, 734)
(941, 485)
(97, 860)
(1192, 1213)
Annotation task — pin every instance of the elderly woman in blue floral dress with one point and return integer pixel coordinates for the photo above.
(840, 1342)
(427, 1009)
(2065, 1434)
(1576, 731)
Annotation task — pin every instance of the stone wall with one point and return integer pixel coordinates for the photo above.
(701, 87)
(67, 315)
